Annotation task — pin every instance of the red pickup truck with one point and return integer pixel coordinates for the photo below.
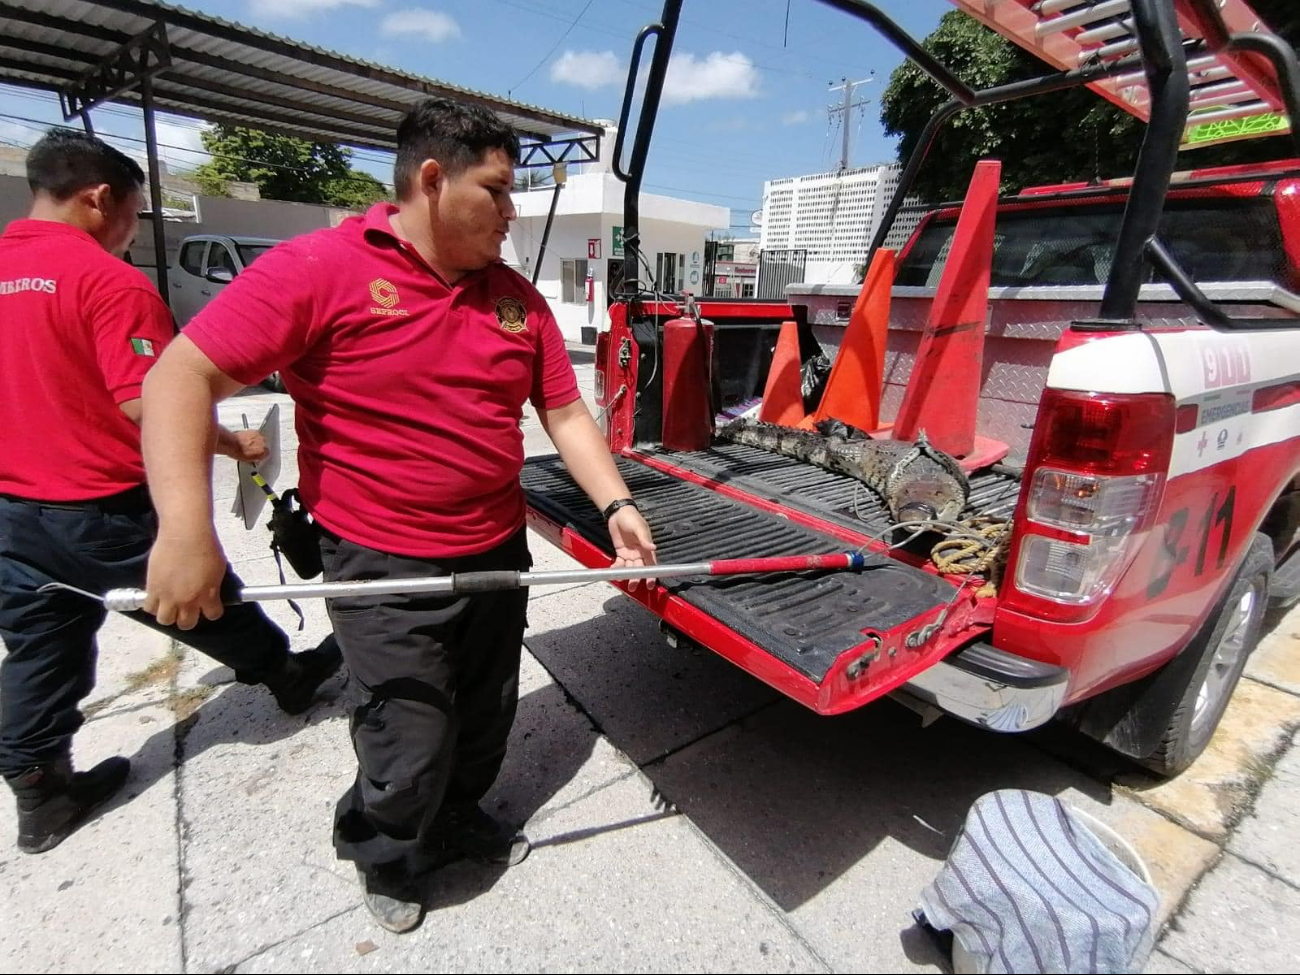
(1141, 374)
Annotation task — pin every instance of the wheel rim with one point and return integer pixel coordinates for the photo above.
(1221, 676)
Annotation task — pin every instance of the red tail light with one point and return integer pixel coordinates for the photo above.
(1104, 433)
(1094, 480)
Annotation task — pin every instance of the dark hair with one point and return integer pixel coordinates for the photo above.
(66, 160)
(455, 135)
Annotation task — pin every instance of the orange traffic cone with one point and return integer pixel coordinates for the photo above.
(857, 377)
(942, 395)
(783, 395)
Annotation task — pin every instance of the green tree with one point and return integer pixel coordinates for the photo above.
(356, 191)
(285, 168)
(1068, 135)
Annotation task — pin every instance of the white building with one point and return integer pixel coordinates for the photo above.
(834, 216)
(735, 268)
(587, 236)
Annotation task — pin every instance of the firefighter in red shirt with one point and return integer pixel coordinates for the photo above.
(410, 350)
(81, 328)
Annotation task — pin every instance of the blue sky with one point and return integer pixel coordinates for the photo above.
(744, 102)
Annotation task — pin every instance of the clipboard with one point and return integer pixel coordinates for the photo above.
(250, 499)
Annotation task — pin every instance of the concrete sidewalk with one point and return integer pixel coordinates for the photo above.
(684, 817)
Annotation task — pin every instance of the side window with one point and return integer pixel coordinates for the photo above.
(192, 256)
(1215, 239)
(924, 262)
(219, 256)
(573, 282)
(670, 268)
(1226, 240)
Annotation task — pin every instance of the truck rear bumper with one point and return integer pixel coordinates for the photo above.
(990, 688)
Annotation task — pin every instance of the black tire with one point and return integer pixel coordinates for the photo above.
(1165, 720)
(1206, 673)
(1285, 590)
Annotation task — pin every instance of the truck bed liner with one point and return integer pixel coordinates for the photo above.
(836, 498)
(804, 620)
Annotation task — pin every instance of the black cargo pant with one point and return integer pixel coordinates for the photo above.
(50, 637)
(435, 682)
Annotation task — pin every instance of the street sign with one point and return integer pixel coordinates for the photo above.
(617, 249)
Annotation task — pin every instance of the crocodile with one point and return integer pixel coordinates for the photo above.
(917, 481)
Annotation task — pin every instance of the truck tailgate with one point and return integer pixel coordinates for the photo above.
(804, 621)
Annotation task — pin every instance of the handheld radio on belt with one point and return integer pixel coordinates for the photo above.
(292, 532)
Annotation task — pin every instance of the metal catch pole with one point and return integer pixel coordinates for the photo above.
(131, 600)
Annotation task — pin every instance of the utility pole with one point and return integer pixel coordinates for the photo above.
(846, 110)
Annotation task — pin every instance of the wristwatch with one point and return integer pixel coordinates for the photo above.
(615, 505)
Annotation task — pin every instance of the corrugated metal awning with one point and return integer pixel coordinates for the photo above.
(220, 71)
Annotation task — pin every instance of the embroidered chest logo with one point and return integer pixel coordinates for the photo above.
(512, 315)
(384, 295)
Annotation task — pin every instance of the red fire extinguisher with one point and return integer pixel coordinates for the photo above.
(591, 286)
(687, 380)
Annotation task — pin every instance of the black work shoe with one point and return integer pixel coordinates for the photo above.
(296, 685)
(393, 901)
(469, 831)
(53, 800)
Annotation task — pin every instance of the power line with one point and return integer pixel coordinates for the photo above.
(567, 32)
(704, 164)
(782, 48)
(38, 125)
(684, 189)
(179, 121)
(622, 36)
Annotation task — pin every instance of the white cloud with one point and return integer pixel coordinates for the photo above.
(302, 8)
(587, 69)
(183, 136)
(716, 75)
(417, 23)
(796, 118)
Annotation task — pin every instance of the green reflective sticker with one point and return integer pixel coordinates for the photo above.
(1236, 128)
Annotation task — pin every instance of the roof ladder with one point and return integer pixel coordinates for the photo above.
(1234, 95)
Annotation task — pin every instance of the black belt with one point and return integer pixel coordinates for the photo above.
(132, 501)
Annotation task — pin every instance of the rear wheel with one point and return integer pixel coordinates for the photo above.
(1167, 719)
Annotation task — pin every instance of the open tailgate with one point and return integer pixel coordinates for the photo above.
(832, 641)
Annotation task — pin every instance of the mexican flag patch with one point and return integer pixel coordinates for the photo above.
(143, 347)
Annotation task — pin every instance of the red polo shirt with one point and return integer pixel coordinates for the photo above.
(79, 328)
(409, 391)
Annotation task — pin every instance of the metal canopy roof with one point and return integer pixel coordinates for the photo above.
(204, 67)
